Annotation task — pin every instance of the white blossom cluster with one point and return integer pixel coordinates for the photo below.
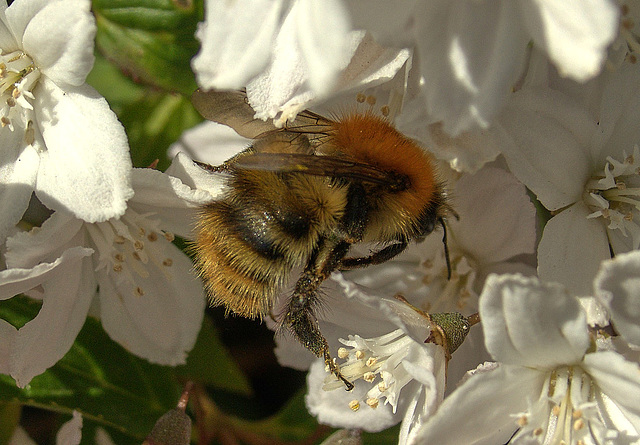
(101, 243)
(532, 107)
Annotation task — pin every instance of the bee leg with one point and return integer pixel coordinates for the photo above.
(299, 317)
(225, 166)
(304, 326)
(375, 258)
(446, 246)
(212, 168)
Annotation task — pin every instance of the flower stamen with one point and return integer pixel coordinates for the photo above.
(568, 412)
(128, 247)
(615, 196)
(378, 362)
(18, 77)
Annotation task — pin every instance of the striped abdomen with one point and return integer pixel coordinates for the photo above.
(266, 225)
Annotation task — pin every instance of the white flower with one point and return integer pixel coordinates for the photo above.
(303, 52)
(240, 38)
(549, 387)
(578, 152)
(471, 53)
(282, 90)
(209, 142)
(617, 287)
(58, 136)
(147, 298)
(397, 375)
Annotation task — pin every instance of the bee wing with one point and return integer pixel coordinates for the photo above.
(231, 108)
(309, 164)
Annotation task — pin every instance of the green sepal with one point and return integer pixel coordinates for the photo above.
(455, 327)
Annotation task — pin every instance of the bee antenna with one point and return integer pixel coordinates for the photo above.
(446, 247)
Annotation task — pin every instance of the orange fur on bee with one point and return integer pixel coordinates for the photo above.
(373, 140)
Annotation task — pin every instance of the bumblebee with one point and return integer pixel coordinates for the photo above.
(301, 196)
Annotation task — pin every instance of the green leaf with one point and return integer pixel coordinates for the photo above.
(119, 90)
(210, 363)
(97, 377)
(9, 418)
(154, 15)
(154, 123)
(292, 423)
(151, 40)
(153, 119)
(385, 437)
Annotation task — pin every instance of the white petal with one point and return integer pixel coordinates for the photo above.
(617, 286)
(618, 379)
(70, 432)
(286, 73)
(103, 438)
(619, 242)
(196, 177)
(8, 42)
(157, 317)
(467, 152)
(390, 23)
(394, 313)
(175, 203)
(332, 407)
(575, 35)
(8, 333)
(59, 39)
(619, 113)
(18, 169)
(16, 280)
(371, 63)
(209, 142)
(494, 203)
(473, 53)
(572, 248)
(20, 437)
(283, 86)
(323, 28)
(546, 144)
(532, 324)
(44, 244)
(480, 410)
(68, 292)
(236, 42)
(420, 399)
(20, 13)
(85, 168)
(291, 353)
(596, 312)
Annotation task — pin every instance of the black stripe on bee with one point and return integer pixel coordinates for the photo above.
(254, 227)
